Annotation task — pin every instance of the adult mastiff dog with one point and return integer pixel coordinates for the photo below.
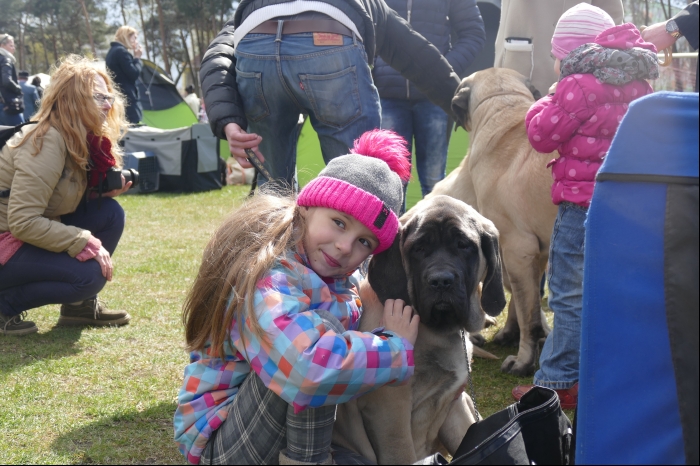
(446, 263)
(508, 182)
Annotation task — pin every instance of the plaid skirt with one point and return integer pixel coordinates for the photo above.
(260, 425)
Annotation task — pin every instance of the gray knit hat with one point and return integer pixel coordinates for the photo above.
(367, 184)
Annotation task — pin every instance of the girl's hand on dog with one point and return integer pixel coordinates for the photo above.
(399, 319)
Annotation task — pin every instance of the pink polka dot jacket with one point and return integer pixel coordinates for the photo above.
(580, 119)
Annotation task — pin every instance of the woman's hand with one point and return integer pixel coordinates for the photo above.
(105, 260)
(400, 320)
(117, 192)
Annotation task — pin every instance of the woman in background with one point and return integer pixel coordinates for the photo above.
(126, 69)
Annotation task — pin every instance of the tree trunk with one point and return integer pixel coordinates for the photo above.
(60, 35)
(121, 4)
(188, 61)
(164, 45)
(20, 42)
(89, 29)
(43, 43)
(143, 28)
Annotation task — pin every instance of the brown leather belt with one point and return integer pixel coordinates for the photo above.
(296, 26)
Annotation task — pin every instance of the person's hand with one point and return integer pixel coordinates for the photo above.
(103, 258)
(137, 51)
(116, 192)
(553, 88)
(657, 35)
(239, 141)
(400, 320)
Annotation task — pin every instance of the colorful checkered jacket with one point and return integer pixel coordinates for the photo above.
(328, 367)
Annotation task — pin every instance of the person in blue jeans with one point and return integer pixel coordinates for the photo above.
(457, 31)
(277, 59)
(9, 87)
(58, 227)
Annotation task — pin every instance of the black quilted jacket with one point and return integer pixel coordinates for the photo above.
(9, 87)
(455, 27)
(384, 33)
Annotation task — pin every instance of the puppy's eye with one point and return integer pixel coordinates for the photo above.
(464, 245)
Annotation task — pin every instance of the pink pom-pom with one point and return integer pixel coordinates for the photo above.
(388, 146)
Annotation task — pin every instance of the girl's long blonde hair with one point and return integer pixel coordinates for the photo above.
(69, 107)
(122, 35)
(239, 253)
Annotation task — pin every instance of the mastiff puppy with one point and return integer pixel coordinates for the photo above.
(445, 262)
(508, 182)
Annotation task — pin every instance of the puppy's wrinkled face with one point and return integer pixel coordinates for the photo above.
(444, 264)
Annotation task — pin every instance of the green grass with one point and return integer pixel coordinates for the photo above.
(108, 395)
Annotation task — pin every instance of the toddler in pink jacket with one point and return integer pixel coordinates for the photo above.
(602, 69)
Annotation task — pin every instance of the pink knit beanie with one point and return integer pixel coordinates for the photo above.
(578, 25)
(367, 184)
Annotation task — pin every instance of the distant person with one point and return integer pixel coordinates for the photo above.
(666, 33)
(31, 96)
(457, 30)
(310, 57)
(127, 69)
(525, 31)
(57, 235)
(12, 104)
(602, 68)
(36, 82)
(192, 100)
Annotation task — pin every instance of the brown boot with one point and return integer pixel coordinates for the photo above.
(91, 312)
(16, 325)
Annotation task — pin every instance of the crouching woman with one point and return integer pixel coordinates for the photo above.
(58, 229)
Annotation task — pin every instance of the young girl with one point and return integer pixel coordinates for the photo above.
(270, 317)
(602, 69)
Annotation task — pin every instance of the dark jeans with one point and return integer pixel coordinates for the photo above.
(35, 277)
(427, 124)
(10, 120)
(280, 77)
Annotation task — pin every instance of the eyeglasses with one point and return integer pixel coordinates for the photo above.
(103, 98)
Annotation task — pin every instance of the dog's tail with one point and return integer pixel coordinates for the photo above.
(482, 353)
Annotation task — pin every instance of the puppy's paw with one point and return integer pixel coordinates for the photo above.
(506, 338)
(512, 366)
(489, 321)
(477, 339)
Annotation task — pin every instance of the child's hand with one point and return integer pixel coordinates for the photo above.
(553, 88)
(400, 319)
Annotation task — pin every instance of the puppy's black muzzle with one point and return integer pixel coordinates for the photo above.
(441, 280)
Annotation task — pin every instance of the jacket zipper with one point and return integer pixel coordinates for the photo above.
(408, 19)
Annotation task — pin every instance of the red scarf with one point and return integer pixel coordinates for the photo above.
(101, 158)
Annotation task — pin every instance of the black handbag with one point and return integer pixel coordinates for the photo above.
(532, 431)
(14, 106)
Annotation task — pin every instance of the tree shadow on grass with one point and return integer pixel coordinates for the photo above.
(22, 351)
(131, 437)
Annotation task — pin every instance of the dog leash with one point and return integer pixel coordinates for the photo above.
(469, 375)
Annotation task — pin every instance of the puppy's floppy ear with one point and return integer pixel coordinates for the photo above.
(535, 93)
(460, 105)
(493, 298)
(386, 273)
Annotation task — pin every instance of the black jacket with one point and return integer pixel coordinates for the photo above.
(439, 21)
(687, 21)
(9, 87)
(126, 70)
(384, 33)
